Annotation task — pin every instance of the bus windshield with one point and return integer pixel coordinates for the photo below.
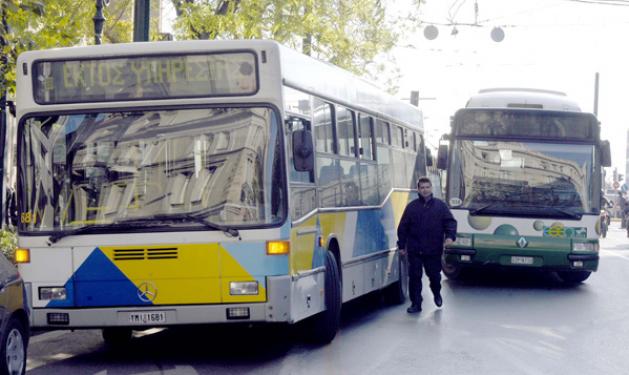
(522, 178)
(214, 165)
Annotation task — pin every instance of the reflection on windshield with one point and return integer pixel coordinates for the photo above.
(496, 175)
(222, 164)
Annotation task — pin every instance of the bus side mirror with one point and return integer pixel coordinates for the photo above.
(442, 157)
(428, 158)
(303, 155)
(606, 154)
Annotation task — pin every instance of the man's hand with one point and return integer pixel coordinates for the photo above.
(402, 251)
(448, 242)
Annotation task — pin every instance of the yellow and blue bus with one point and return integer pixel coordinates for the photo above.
(524, 183)
(202, 182)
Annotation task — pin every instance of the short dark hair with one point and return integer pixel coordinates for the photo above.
(423, 180)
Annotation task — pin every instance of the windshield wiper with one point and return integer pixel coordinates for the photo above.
(479, 210)
(523, 209)
(229, 231)
(567, 212)
(70, 232)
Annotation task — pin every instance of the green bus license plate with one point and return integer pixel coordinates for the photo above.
(522, 260)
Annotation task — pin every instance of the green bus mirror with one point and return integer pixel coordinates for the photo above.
(442, 157)
(606, 154)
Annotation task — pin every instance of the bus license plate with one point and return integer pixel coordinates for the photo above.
(147, 318)
(522, 260)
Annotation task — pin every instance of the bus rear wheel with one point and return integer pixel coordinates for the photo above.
(326, 323)
(573, 277)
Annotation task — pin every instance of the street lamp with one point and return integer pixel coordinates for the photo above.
(99, 20)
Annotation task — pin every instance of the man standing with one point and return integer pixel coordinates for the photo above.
(426, 223)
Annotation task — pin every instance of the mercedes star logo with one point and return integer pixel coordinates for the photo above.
(522, 242)
(147, 292)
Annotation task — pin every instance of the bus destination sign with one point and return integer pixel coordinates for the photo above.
(145, 78)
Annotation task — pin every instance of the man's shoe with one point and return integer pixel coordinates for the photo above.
(438, 300)
(414, 309)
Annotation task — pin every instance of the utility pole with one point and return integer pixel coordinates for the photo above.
(596, 94)
(141, 17)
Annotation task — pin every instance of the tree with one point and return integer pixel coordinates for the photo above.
(39, 24)
(347, 33)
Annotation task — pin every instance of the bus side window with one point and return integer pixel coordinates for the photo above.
(383, 156)
(323, 127)
(345, 131)
(397, 136)
(366, 137)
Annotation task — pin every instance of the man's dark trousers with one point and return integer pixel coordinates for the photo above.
(432, 265)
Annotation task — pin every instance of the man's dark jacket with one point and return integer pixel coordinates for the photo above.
(425, 225)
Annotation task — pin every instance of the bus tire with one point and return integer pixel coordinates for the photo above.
(573, 277)
(13, 350)
(451, 270)
(397, 292)
(326, 323)
(117, 337)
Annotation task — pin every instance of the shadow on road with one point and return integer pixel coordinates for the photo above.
(509, 278)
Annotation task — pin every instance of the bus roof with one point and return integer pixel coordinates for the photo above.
(522, 98)
(297, 70)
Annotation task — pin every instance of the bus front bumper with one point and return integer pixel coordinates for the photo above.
(555, 260)
(275, 310)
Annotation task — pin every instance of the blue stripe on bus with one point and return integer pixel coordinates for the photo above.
(252, 257)
(98, 282)
(370, 234)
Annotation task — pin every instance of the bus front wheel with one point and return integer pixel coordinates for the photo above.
(573, 277)
(326, 323)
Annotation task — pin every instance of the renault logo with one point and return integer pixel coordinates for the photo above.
(147, 292)
(522, 242)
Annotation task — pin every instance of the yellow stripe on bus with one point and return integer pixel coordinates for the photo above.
(198, 274)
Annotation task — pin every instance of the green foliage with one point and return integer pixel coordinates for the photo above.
(38, 24)
(8, 243)
(347, 33)
(353, 34)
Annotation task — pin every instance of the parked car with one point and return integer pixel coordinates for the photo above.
(14, 322)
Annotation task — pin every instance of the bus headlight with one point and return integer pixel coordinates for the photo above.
(585, 246)
(243, 288)
(55, 293)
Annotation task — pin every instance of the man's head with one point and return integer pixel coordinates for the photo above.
(424, 187)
